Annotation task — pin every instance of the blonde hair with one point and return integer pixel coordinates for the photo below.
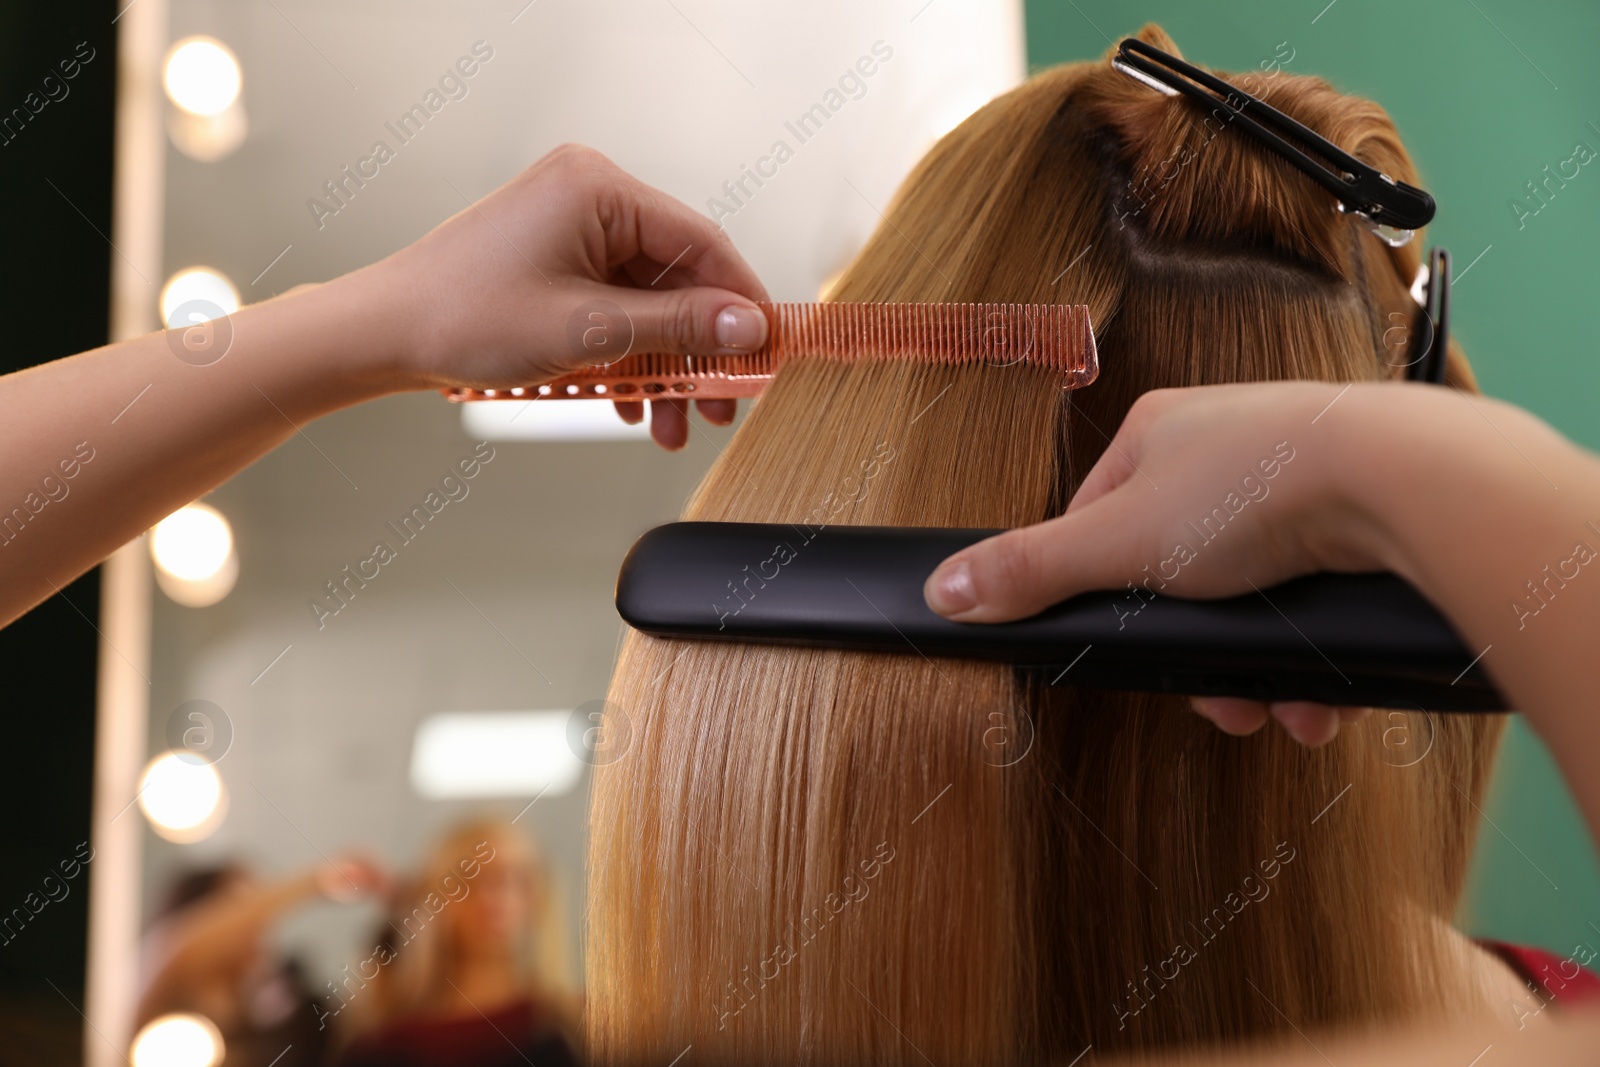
(821, 856)
(416, 954)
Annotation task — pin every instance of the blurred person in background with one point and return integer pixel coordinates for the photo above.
(470, 968)
(208, 953)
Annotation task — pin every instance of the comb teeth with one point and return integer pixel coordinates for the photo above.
(1054, 336)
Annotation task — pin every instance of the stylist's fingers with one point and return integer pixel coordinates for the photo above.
(693, 321)
(1231, 715)
(1021, 572)
(1112, 469)
(1313, 725)
(717, 412)
(669, 423)
(1101, 542)
(641, 222)
(1117, 464)
(702, 298)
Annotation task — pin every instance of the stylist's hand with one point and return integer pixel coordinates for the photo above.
(352, 876)
(556, 269)
(1178, 455)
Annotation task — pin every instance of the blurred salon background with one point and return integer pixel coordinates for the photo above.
(252, 760)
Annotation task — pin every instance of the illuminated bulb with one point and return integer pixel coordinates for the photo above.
(466, 754)
(202, 76)
(208, 138)
(192, 543)
(177, 1041)
(197, 283)
(196, 564)
(183, 800)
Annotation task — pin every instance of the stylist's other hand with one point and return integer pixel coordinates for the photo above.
(352, 876)
(511, 290)
(1179, 455)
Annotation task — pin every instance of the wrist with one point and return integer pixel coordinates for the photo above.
(1408, 464)
(370, 319)
(395, 298)
(1362, 462)
(335, 344)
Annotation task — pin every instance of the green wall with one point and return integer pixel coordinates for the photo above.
(1486, 93)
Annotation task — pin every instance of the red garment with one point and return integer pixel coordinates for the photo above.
(1559, 980)
(516, 1035)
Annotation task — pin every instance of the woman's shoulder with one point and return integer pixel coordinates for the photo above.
(1564, 981)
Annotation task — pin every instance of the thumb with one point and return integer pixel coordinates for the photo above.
(1023, 571)
(698, 321)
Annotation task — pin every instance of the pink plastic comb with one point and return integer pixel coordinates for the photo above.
(1057, 336)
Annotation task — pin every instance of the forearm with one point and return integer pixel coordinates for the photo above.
(101, 446)
(96, 448)
(1496, 518)
(214, 942)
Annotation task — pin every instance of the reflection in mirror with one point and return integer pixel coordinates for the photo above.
(376, 659)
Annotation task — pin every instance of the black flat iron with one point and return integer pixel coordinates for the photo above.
(1365, 640)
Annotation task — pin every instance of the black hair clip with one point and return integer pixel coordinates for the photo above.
(1393, 209)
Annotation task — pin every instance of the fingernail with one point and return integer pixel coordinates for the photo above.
(743, 328)
(950, 592)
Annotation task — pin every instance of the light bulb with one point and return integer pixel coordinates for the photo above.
(183, 800)
(180, 1040)
(192, 543)
(207, 293)
(196, 564)
(202, 76)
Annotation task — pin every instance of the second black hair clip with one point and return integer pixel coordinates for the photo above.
(1430, 338)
